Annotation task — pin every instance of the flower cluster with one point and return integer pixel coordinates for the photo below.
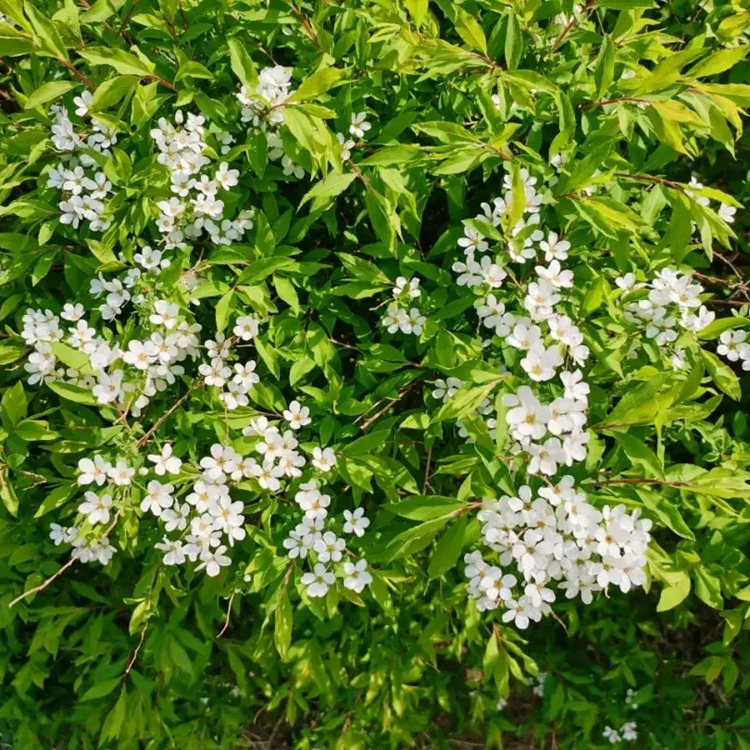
(196, 206)
(554, 536)
(358, 127)
(219, 374)
(128, 376)
(83, 193)
(311, 536)
(628, 733)
(549, 343)
(400, 315)
(671, 303)
(262, 108)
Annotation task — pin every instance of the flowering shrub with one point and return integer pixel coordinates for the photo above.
(367, 363)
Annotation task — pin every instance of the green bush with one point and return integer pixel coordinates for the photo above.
(372, 374)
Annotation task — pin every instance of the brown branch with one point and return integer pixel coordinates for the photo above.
(307, 26)
(651, 178)
(387, 407)
(167, 414)
(605, 102)
(77, 73)
(161, 81)
(571, 25)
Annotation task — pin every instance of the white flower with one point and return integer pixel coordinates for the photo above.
(174, 554)
(93, 471)
(359, 125)
(226, 177)
(730, 345)
(165, 315)
(554, 248)
(329, 547)
(62, 535)
(319, 581)
(165, 462)
(356, 522)
(297, 415)
(158, 497)
(357, 576)
(268, 475)
(295, 544)
(214, 560)
(727, 214)
(121, 473)
(407, 288)
(95, 508)
(628, 731)
(72, 312)
(346, 146)
(246, 328)
(324, 459)
(472, 241)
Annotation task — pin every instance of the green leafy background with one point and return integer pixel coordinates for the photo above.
(137, 655)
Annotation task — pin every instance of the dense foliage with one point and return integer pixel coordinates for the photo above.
(373, 374)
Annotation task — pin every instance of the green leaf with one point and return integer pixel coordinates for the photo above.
(330, 186)
(47, 33)
(666, 512)
(282, 633)
(72, 357)
(674, 594)
(101, 689)
(418, 10)
(425, 507)
(224, 308)
(33, 430)
(464, 402)
(513, 42)
(722, 375)
(242, 64)
(7, 493)
(286, 291)
(448, 549)
(319, 82)
(112, 91)
(72, 392)
(639, 453)
(718, 62)
(48, 92)
(14, 405)
(123, 62)
(470, 30)
(605, 67)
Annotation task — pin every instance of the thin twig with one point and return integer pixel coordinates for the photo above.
(77, 73)
(229, 612)
(635, 480)
(605, 102)
(427, 472)
(161, 81)
(307, 26)
(52, 578)
(167, 414)
(651, 178)
(135, 653)
(571, 25)
(390, 405)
